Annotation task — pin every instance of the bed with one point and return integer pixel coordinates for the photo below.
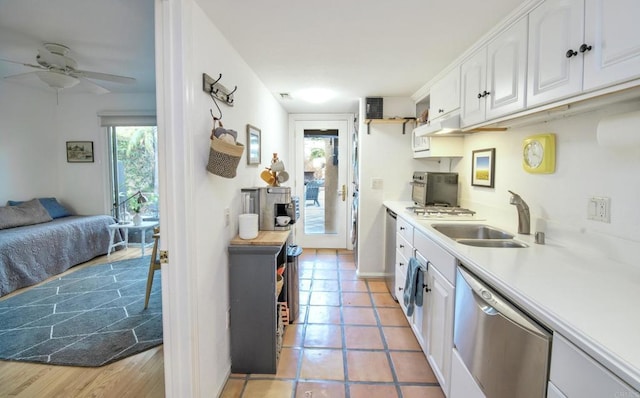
(30, 254)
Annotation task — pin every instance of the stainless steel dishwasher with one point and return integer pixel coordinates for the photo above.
(506, 352)
(390, 252)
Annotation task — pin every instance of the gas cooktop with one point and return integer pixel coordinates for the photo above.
(444, 212)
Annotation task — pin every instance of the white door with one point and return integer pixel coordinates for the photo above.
(555, 28)
(322, 169)
(612, 42)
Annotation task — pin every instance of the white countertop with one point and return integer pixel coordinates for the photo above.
(593, 302)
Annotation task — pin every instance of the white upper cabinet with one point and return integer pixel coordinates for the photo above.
(614, 37)
(494, 78)
(580, 45)
(555, 67)
(445, 95)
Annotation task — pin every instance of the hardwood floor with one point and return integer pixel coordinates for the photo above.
(141, 375)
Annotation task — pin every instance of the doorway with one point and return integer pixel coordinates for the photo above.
(322, 166)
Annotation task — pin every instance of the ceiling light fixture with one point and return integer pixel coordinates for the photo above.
(316, 95)
(57, 80)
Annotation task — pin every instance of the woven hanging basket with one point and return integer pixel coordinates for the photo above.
(224, 157)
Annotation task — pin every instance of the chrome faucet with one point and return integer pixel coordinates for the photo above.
(524, 219)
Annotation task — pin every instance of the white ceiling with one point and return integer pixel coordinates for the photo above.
(355, 48)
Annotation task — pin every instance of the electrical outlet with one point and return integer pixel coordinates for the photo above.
(599, 209)
(227, 217)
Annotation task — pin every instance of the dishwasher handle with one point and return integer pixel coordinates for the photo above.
(492, 304)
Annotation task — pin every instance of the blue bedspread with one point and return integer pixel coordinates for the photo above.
(33, 253)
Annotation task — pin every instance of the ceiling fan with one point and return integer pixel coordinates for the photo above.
(59, 71)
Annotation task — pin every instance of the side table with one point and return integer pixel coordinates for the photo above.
(145, 225)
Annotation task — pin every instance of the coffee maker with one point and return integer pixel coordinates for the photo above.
(269, 203)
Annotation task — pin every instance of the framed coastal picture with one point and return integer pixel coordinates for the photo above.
(483, 165)
(80, 151)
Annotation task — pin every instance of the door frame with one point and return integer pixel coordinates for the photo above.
(348, 119)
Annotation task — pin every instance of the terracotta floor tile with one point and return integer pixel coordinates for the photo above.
(372, 391)
(368, 366)
(356, 299)
(268, 389)
(293, 335)
(322, 364)
(325, 274)
(304, 297)
(326, 264)
(353, 286)
(347, 265)
(304, 284)
(400, 338)
(233, 388)
(323, 336)
(308, 389)
(288, 363)
(348, 275)
(412, 367)
(327, 252)
(421, 392)
(324, 314)
(383, 300)
(325, 285)
(324, 298)
(307, 254)
(359, 316)
(391, 317)
(363, 337)
(305, 273)
(377, 286)
(302, 314)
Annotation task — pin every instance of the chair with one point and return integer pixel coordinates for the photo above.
(311, 192)
(154, 264)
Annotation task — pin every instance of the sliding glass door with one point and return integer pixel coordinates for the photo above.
(134, 161)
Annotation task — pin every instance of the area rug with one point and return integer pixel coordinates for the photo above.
(90, 317)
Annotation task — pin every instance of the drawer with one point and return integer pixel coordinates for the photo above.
(444, 262)
(576, 374)
(404, 247)
(405, 229)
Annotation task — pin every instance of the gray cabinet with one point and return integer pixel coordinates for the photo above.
(256, 327)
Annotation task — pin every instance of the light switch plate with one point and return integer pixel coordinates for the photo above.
(377, 183)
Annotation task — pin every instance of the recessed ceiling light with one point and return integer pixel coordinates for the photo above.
(316, 95)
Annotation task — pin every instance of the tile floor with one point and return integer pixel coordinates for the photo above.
(351, 340)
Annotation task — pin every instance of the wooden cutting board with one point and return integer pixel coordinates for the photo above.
(264, 238)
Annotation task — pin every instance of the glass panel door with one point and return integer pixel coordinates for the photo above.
(321, 183)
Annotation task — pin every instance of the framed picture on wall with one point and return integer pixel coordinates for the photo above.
(80, 151)
(253, 145)
(483, 165)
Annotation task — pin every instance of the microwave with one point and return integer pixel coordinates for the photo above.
(435, 189)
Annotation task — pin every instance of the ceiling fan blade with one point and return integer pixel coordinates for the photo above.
(104, 76)
(91, 86)
(23, 77)
(22, 63)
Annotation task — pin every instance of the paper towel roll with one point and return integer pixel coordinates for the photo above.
(248, 226)
(619, 131)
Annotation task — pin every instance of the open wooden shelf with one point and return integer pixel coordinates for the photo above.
(397, 120)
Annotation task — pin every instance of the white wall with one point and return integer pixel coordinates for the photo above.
(207, 51)
(34, 128)
(384, 154)
(558, 202)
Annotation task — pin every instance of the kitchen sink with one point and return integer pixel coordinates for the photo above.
(471, 231)
(492, 243)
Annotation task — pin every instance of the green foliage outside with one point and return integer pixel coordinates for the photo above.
(136, 149)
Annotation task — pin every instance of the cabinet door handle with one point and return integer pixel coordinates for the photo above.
(486, 93)
(402, 246)
(426, 288)
(584, 48)
(571, 53)
(479, 95)
(402, 228)
(400, 288)
(400, 264)
(440, 110)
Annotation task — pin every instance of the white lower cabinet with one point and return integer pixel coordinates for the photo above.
(576, 375)
(439, 332)
(462, 383)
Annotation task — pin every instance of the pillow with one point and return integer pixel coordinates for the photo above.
(53, 207)
(26, 213)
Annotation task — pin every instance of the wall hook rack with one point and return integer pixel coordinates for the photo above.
(214, 88)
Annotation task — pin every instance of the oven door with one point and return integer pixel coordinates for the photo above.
(419, 193)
